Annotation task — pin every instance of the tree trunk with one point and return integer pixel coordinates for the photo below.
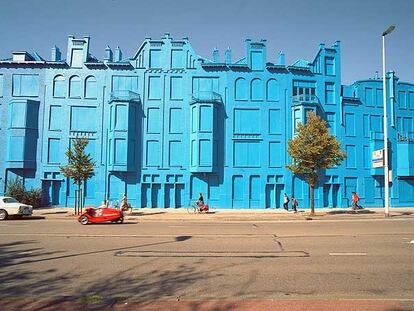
(312, 194)
(79, 198)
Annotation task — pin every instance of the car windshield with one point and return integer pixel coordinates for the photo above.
(10, 200)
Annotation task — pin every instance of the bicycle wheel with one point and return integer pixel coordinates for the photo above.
(192, 209)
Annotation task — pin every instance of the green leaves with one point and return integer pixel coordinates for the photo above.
(80, 165)
(313, 149)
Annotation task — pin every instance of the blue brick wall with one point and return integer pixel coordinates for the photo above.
(166, 124)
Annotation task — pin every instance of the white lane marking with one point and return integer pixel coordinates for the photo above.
(347, 254)
(26, 253)
(176, 226)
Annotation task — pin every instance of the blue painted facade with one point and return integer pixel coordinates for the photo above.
(166, 124)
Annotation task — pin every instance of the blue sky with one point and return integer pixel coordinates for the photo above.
(294, 26)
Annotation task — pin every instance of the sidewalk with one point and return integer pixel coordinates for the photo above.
(228, 215)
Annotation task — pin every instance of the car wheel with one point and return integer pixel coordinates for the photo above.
(120, 220)
(84, 220)
(3, 214)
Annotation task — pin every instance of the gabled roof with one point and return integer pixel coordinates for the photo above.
(241, 61)
(301, 63)
(37, 57)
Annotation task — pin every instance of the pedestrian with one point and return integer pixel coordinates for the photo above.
(294, 204)
(286, 202)
(124, 203)
(355, 201)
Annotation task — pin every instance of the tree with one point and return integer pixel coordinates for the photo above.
(80, 166)
(313, 149)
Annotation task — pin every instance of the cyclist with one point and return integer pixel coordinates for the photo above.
(200, 203)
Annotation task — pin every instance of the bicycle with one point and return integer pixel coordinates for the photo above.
(195, 208)
(117, 205)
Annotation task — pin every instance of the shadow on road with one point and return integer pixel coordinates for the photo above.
(145, 214)
(26, 289)
(350, 212)
(17, 217)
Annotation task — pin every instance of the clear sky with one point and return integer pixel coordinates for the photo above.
(295, 27)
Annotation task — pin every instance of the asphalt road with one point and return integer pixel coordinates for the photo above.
(331, 262)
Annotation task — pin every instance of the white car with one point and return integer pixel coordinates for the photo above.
(10, 206)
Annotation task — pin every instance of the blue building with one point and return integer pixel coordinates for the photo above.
(166, 124)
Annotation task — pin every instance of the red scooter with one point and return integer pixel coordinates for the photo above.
(96, 215)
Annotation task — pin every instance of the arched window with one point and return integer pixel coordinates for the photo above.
(91, 90)
(257, 89)
(59, 86)
(272, 88)
(75, 87)
(240, 89)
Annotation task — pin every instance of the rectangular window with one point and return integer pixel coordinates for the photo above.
(247, 121)
(410, 98)
(155, 58)
(275, 154)
(176, 121)
(329, 66)
(257, 60)
(330, 93)
(176, 155)
(275, 124)
(18, 115)
(25, 85)
(367, 157)
(153, 153)
(206, 118)
(55, 118)
(120, 152)
(177, 59)
(369, 94)
(154, 88)
(379, 97)
(176, 88)
(350, 156)
(77, 58)
(330, 118)
(153, 121)
(53, 151)
(402, 100)
(83, 119)
(376, 124)
(366, 125)
(304, 90)
(16, 148)
(125, 83)
(247, 154)
(1, 85)
(349, 124)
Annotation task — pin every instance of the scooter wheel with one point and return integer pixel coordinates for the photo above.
(84, 220)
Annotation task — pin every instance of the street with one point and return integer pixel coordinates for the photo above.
(364, 264)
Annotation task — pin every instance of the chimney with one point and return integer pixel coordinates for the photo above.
(281, 58)
(216, 56)
(227, 56)
(118, 54)
(56, 54)
(108, 54)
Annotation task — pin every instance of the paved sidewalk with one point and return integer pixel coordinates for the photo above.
(181, 214)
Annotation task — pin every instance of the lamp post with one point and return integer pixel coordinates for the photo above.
(385, 154)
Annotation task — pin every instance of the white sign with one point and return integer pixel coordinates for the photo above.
(378, 158)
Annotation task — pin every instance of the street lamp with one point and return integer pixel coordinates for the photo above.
(385, 154)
